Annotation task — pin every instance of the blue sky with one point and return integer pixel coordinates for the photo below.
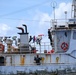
(36, 14)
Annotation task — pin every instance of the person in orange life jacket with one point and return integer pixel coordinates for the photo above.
(37, 59)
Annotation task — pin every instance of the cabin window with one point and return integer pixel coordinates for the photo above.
(74, 35)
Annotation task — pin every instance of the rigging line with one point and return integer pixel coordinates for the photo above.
(28, 19)
(27, 8)
(24, 19)
(71, 56)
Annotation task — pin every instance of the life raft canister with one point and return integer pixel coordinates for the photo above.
(1, 47)
(64, 46)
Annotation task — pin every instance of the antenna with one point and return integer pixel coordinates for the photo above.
(65, 16)
(54, 4)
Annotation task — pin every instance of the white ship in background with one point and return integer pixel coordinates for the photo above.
(25, 57)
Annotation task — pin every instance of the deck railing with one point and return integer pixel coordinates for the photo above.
(44, 46)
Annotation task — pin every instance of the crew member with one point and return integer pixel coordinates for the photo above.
(50, 36)
(37, 59)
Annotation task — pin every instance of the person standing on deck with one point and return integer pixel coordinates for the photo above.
(37, 59)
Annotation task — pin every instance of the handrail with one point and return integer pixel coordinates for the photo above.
(63, 64)
(42, 47)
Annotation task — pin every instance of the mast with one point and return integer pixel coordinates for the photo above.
(74, 9)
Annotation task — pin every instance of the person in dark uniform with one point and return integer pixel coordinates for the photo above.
(37, 59)
(50, 36)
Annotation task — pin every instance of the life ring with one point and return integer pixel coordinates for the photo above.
(1, 47)
(64, 46)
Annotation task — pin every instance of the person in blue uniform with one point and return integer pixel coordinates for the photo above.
(37, 60)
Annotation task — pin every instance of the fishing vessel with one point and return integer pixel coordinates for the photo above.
(25, 57)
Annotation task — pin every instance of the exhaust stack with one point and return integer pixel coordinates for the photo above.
(25, 28)
(21, 29)
(24, 42)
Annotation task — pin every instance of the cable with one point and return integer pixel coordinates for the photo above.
(28, 8)
(24, 19)
(71, 56)
(34, 20)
